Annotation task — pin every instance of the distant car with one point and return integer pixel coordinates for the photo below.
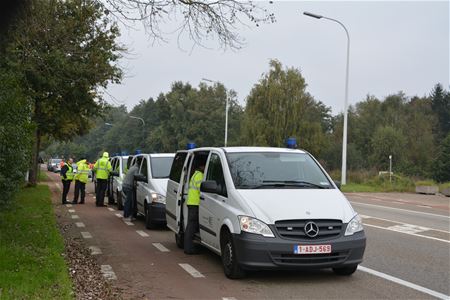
(53, 165)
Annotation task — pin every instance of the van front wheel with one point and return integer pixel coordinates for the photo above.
(346, 271)
(230, 264)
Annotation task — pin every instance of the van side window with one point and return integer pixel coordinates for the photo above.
(215, 173)
(177, 166)
(116, 165)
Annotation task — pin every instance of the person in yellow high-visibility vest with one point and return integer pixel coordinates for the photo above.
(102, 168)
(81, 178)
(66, 178)
(193, 202)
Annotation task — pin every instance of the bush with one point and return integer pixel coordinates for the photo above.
(15, 136)
(425, 182)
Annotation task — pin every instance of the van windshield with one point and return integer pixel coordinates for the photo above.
(161, 166)
(276, 170)
(56, 161)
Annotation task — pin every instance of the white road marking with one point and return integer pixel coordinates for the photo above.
(191, 270)
(128, 223)
(71, 210)
(392, 221)
(95, 250)
(75, 217)
(142, 233)
(80, 224)
(408, 228)
(404, 283)
(160, 247)
(401, 209)
(86, 235)
(68, 205)
(119, 215)
(426, 206)
(365, 217)
(111, 209)
(228, 298)
(413, 234)
(108, 272)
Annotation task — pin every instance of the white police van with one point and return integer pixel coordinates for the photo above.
(266, 208)
(151, 183)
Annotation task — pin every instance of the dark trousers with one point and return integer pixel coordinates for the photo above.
(191, 229)
(66, 188)
(128, 205)
(80, 188)
(100, 193)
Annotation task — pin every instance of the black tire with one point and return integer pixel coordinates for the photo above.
(230, 263)
(345, 271)
(179, 240)
(148, 221)
(119, 201)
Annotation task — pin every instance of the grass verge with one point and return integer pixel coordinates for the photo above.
(31, 264)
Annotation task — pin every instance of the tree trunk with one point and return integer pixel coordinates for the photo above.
(34, 168)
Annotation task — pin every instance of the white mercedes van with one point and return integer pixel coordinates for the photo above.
(266, 208)
(151, 183)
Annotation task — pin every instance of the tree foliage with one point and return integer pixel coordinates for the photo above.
(279, 107)
(64, 52)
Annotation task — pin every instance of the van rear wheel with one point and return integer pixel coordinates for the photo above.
(345, 271)
(230, 263)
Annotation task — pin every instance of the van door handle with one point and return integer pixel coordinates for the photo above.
(175, 191)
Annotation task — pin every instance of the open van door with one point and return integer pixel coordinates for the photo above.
(173, 194)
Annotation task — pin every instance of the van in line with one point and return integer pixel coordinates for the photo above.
(266, 208)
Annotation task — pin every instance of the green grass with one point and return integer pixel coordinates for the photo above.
(381, 184)
(444, 186)
(31, 264)
(425, 182)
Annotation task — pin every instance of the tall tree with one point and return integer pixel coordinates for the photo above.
(65, 51)
(440, 103)
(279, 107)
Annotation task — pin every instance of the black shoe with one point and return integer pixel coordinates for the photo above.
(191, 252)
(73, 202)
(82, 202)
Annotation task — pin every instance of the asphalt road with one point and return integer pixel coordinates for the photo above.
(407, 256)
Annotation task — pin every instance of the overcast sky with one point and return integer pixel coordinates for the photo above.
(395, 46)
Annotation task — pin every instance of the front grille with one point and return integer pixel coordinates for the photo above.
(309, 259)
(295, 229)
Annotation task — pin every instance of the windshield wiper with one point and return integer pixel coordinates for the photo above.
(295, 183)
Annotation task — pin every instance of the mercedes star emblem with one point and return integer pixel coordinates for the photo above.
(311, 229)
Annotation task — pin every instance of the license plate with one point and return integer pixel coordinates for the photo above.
(312, 249)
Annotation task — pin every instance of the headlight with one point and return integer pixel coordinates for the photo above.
(157, 198)
(355, 225)
(252, 225)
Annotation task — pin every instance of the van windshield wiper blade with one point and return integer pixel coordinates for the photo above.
(296, 183)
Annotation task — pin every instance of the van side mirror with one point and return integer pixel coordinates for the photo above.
(337, 183)
(140, 177)
(114, 173)
(210, 186)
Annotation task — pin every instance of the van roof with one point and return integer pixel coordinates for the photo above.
(162, 154)
(253, 149)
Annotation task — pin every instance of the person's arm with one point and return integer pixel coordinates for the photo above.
(95, 166)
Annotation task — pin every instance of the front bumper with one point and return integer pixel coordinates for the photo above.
(258, 252)
(157, 213)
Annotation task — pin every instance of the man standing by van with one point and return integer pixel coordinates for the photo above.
(193, 202)
(128, 190)
(66, 177)
(81, 178)
(102, 168)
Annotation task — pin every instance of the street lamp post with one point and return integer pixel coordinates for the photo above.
(344, 134)
(226, 111)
